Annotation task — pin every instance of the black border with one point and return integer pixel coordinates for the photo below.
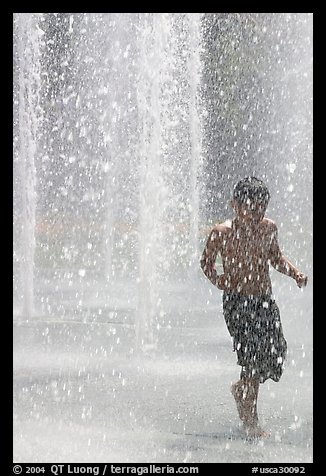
(6, 188)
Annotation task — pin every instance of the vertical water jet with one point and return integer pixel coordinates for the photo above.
(150, 174)
(29, 112)
(194, 72)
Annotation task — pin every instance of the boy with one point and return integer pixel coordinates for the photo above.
(247, 245)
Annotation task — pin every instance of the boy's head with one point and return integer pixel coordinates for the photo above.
(250, 197)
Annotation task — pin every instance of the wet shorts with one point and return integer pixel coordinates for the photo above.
(254, 324)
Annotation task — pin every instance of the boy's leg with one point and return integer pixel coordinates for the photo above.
(245, 393)
(237, 390)
(251, 416)
(250, 397)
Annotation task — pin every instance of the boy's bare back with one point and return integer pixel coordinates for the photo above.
(247, 245)
(246, 252)
(247, 248)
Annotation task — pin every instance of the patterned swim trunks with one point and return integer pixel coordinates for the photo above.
(254, 324)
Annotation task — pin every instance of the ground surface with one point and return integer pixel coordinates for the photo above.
(80, 395)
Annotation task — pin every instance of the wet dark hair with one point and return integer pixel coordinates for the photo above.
(251, 190)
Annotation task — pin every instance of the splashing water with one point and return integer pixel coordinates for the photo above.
(130, 131)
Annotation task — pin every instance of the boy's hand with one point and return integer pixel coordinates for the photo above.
(301, 279)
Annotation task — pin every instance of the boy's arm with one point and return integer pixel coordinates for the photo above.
(281, 262)
(209, 255)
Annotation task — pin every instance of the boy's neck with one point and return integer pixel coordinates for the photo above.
(239, 222)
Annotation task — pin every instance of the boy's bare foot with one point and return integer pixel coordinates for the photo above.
(255, 431)
(238, 397)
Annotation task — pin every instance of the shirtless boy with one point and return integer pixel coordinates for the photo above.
(248, 245)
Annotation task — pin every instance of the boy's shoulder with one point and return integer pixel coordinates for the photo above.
(222, 228)
(270, 224)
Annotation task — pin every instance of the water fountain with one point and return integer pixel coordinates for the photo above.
(29, 113)
(116, 158)
(130, 130)
(141, 75)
